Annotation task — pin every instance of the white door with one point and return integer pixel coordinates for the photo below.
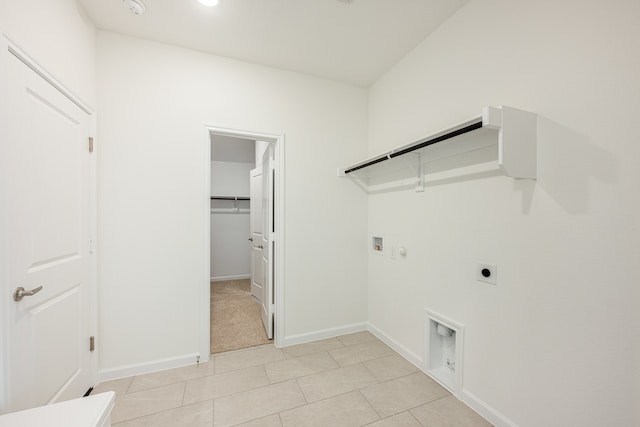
(45, 165)
(267, 239)
(256, 228)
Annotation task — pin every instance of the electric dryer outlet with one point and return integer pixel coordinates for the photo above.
(487, 273)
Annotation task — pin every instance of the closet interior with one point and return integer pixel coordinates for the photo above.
(235, 310)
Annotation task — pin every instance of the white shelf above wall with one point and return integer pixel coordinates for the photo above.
(512, 131)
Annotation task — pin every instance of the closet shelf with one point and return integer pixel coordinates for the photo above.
(513, 131)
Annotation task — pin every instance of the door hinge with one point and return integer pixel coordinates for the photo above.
(91, 144)
(92, 343)
(91, 244)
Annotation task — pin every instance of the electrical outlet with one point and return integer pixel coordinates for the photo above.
(487, 273)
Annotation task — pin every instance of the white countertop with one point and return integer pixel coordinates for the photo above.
(91, 411)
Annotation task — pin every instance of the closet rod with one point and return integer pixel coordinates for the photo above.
(229, 198)
(437, 139)
(418, 145)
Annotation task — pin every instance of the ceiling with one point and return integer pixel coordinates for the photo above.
(353, 43)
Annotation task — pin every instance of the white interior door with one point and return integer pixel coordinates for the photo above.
(268, 239)
(256, 230)
(45, 165)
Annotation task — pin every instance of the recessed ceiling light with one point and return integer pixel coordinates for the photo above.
(209, 3)
(136, 7)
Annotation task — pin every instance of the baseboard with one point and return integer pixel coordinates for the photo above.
(148, 367)
(223, 278)
(323, 334)
(411, 357)
(493, 416)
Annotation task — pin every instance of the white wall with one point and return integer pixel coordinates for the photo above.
(154, 100)
(230, 251)
(553, 343)
(230, 178)
(59, 36)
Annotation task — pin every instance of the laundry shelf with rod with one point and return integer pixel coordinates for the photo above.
(240, 204)
(513, 132)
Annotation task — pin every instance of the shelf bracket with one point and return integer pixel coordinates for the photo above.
(419, 175)
(415, 164)
(359, 182)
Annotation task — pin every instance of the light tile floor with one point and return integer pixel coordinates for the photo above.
(352, 380)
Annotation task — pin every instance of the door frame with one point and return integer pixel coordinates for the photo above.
(279, 283)
(10, 47)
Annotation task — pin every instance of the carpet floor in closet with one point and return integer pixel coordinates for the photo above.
(235, 317)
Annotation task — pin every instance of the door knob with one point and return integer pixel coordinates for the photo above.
(20, 293)
(260, 247)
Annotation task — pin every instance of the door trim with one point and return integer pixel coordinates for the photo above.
(279, 283)
(10, 47)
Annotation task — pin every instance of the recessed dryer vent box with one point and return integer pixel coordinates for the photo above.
(443, 350)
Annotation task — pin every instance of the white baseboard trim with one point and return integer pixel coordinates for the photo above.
(411, 357)
(151, 366)
(493, 416)
(223, 278)
(323, 334)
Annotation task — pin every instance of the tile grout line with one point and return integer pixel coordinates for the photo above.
(337, 395)
(414, 417)
(371, 406)
(184, 393)
(369, 403)
(334, 359)
(374, 358)
(251, 366)
(246, 391)
(378, 380)
(334, 397)
(408, 409)
(157, 413)
(394, 415)
(274, 413)
(235, 393)
(304, 396)
(164, 385)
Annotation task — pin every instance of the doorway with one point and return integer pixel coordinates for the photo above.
(237, 276)
(244, 244)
